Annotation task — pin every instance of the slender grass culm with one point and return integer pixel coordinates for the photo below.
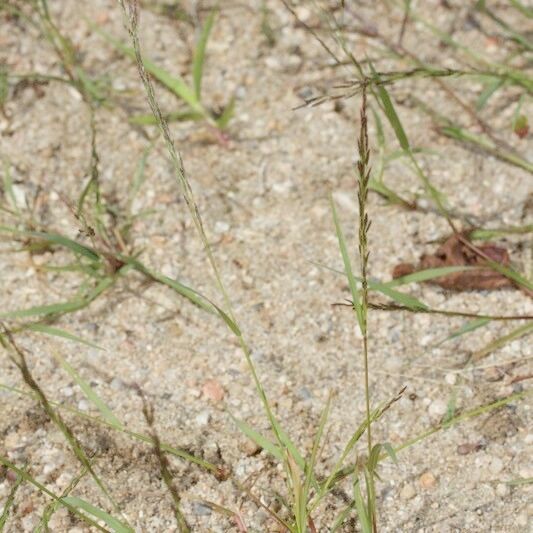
(363, 178)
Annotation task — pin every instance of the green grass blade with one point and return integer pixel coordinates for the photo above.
(399, 297)
(55, 238)
(472, 325)
(45, 310)
(490, 88)
(227, 114)
(347, 265)
(174, 84)
(462, 135)
(390, 113)
(137, 436)
(24, 475)
(49, 330)
(426, 275)
(521, 331)
(91, 395)
(9, 502)
(261, 441)
(199, 55)
(192, 295)
(361, 509)
(310, 465)
(178, 116)
(115, 524)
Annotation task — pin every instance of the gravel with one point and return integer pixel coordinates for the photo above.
(264, 200)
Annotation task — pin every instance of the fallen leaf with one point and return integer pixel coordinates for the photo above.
(454, 252)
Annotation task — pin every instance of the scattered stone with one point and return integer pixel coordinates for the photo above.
(250, 448)
(502, 490)
(213, 390)
(437, 408)
(408, 492)
(221, 226)
(427, 480)
(203, 418)
(450, 378)
(496, 465)
(201, 509)
(493, 373)
(13, 442)
(469, 447)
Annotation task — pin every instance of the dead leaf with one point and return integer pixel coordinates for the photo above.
(454, 252)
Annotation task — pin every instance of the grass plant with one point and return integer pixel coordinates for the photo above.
(102, 255)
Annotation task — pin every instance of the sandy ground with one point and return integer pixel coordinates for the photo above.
(264, 200)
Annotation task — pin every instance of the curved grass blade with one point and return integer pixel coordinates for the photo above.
(106, 412)
(24, 475)
(182, 454)
(347, 265)
(49, 330)
(426, 275)
(199, 55)
(115, 524)
(526, 329)
(259, 439)
(9, 502)
(223, 120)
(466, 328)
(55, 238)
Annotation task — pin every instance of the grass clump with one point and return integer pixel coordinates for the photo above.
(103, 255)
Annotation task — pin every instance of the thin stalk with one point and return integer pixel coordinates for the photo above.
(363, 171)
(130, 9)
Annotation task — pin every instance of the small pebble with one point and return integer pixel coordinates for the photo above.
(437, 408)
(493, 373)
(496, 465)
(451, 378)
(502, 490)
(408, 492)
(250, 448)
(202, 419)
(427, 480)
(213, 390)
(522, 520)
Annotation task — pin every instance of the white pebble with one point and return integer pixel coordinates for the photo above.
(437, 408)
(202, 419)
(451, 378)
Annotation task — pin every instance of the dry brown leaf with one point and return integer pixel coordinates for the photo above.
(454, 252)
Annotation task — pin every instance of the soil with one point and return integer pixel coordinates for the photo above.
(264, 199)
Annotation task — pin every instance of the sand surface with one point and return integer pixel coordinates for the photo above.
(263, 196)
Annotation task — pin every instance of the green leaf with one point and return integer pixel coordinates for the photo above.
(261, 441)
(490, 88)
(199, 54)
(115, 524)
(521, 331)
(390, 112)
(173, 83)
(347, 265)
(177, 116)
(55, 238)
(49, 330)
(360, 507)
(390, 451)
(466, 328)
(223, 120)
(51, 309)
(88, 391)
(426, 275)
